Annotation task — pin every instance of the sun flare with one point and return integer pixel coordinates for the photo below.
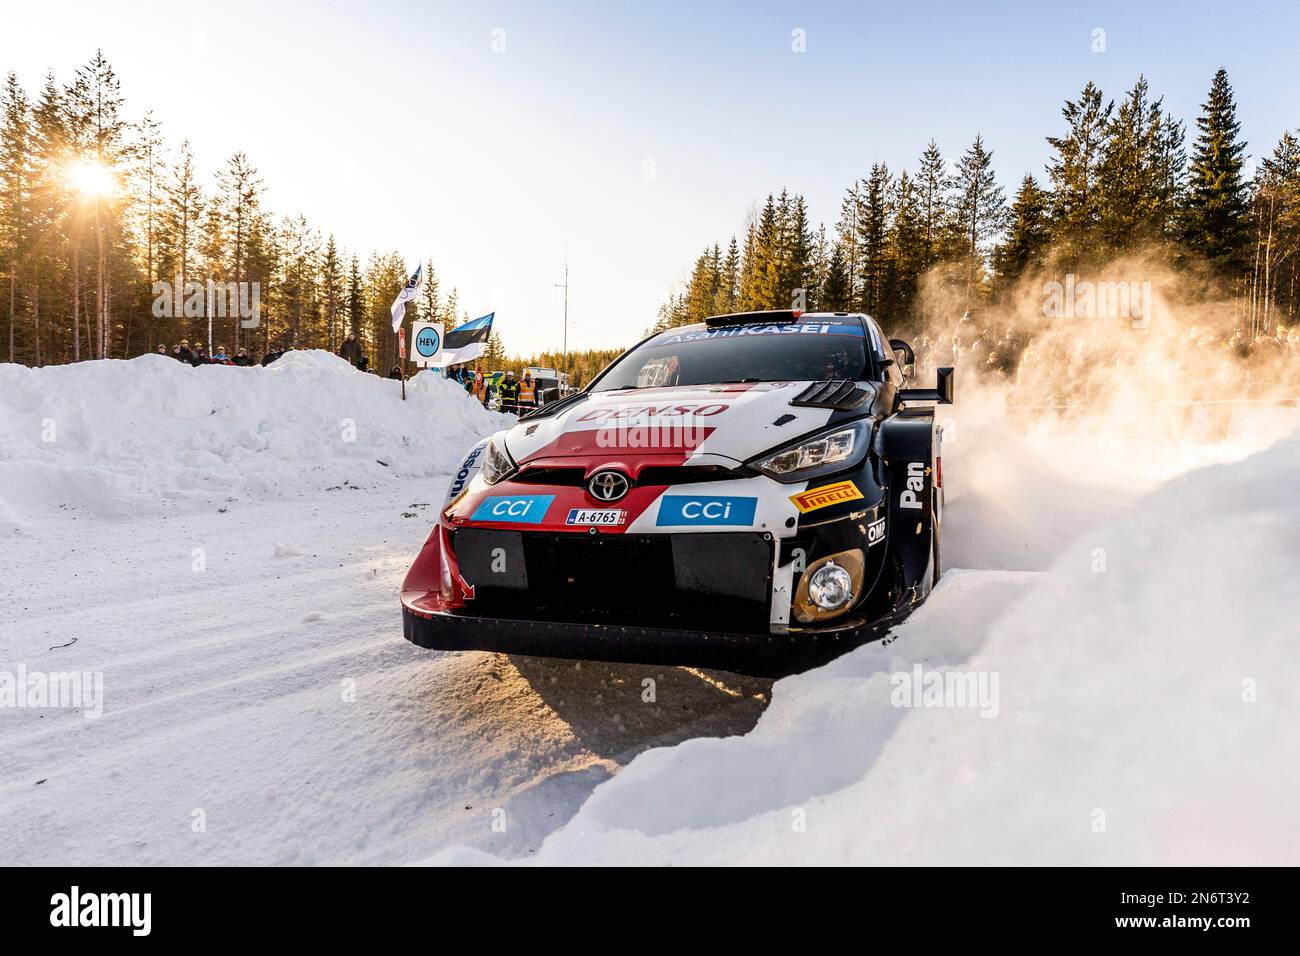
(91, 179)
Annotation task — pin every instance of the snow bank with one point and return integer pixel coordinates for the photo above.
(1145, 713)
(121, 438)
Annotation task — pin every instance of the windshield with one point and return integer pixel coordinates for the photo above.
(807, 351)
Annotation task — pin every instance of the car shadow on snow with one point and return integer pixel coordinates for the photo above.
(619, 710)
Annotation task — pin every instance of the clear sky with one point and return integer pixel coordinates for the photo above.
(624, 136)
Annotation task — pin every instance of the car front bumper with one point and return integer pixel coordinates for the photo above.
(760, 655)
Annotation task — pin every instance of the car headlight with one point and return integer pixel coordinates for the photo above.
(821, 454)
(497, 463)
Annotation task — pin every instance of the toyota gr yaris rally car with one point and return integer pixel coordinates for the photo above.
(758, 493)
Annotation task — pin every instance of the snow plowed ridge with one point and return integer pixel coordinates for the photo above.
(1145, 714)
(118, 439)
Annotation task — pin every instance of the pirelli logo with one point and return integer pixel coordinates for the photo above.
(816, 498)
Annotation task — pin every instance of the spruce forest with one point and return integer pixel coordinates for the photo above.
(1124, 178)
(96, 207)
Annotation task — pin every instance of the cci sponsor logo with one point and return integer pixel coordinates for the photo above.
(816, 498)
(515, 509)
(691, 510)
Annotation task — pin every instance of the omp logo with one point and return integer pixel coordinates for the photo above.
(690, 510)
(466, 469)
(826, 495)
(876, 532)
(515, 509)
(103, 909)
(914, 485)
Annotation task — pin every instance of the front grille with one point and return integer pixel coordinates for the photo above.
(575, 477)
(698, 581)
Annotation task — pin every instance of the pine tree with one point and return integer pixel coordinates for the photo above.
(1217, 200)
(53, 218)
(428, 310)
(238, 192)
(494, 355)
(835, 290)
(758, 285)
(729, 288)
(182, 213)
(798, 276)
(94, 102)
(1075, 172)
(702, 289)
(873, 225)
(1028, 235)
(905, 255)
(15, 194)
(1276, 210)
(331, 290)
(1140, 173)
(450, 310)
(356, 302)
(979, 210)
(933, 185)
(150, 164)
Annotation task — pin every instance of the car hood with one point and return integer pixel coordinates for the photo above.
(696, 425)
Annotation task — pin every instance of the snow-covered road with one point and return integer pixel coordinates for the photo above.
(223, 547)
(265, 709)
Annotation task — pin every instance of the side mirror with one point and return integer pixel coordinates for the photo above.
(904, 356)
(941, 393)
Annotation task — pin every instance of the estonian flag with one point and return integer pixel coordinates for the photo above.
(406, 295)
(467, 342)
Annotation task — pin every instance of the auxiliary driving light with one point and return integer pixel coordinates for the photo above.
(829, 586)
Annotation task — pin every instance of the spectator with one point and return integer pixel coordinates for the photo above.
(363, 363)
(184, 353)
(276, 351)
(510, 393)
(480, 385)
(396, 373)
(242, 358)
(351, 350)
(527, 394)
(162, 350)
(199, 355)
(219, 357)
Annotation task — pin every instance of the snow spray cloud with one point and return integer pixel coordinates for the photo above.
(1126, 349)
(1078, 391)
(41, 689)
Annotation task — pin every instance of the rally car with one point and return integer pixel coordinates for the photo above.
(757, 493)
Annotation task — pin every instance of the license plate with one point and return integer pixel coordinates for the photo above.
(595, 516)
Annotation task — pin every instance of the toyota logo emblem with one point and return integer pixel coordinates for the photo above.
(608, 486)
